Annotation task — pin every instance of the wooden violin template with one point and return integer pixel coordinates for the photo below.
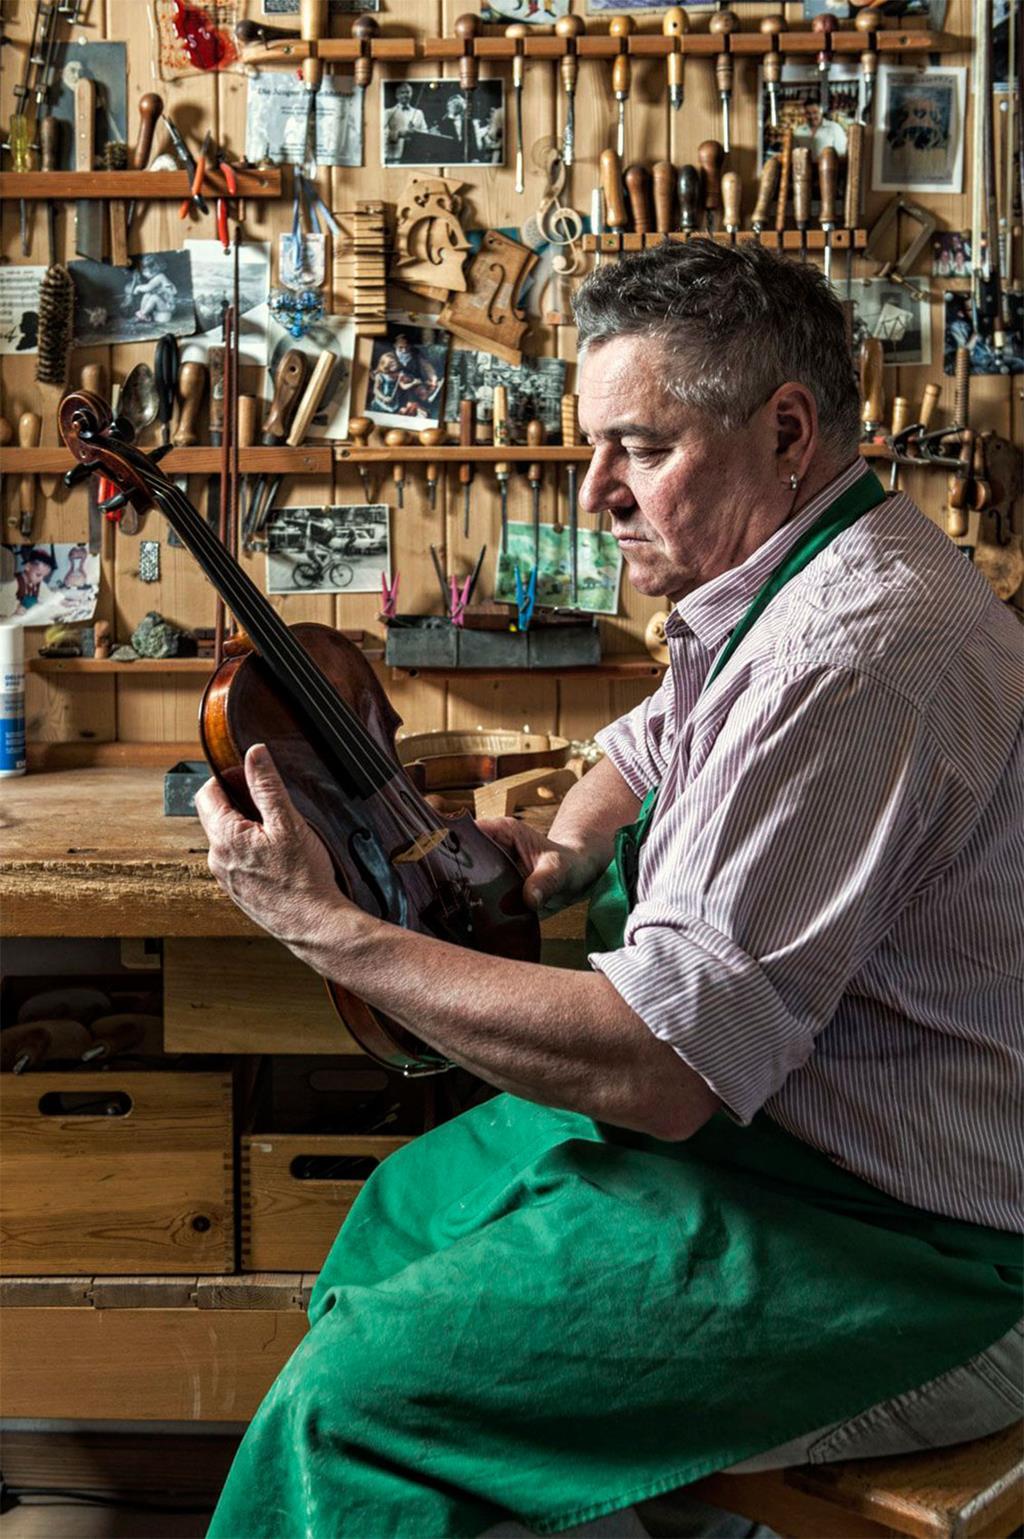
(314, 700)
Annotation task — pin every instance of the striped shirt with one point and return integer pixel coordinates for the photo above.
(828, 914)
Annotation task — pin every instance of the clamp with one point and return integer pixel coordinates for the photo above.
(896, 271)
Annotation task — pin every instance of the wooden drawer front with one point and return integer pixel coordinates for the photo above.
(246, 996)
(289, 1223)
(147, 1191)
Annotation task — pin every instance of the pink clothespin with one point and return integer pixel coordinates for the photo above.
(389, 596)
(459, 598)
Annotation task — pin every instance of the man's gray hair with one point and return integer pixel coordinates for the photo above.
(736, 322)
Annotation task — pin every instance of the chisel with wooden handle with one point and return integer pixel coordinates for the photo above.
(88, 211)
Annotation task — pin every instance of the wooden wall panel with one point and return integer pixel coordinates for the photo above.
(154, 708)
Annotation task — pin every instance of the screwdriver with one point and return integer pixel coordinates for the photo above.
(825, 26)
(732, 204)
(675, 23)
(801, 167)
(721, 25)
(710, 156)
(689, 189)
(570, 28)
(535, 436)
(430, 438)
(771, 26)
(765, 195)
(517, 32)
(467, 438)
(570, 439)
(19, 144)
(394, 438)
(502, 469)
(828, 171)
(622, 76)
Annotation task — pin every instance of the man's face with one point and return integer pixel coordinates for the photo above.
(681, 495)
(404, 95)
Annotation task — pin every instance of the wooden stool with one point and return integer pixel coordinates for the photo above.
(969, 1491)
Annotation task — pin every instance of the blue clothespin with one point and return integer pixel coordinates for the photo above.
(389, 596)
(526, 598)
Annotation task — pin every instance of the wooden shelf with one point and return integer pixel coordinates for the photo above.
(626, 665)
(144, 185)
(308, 460)
(649, 45)
(787, 240)
(455, 454)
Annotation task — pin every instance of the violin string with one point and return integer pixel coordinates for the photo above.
(293, 658)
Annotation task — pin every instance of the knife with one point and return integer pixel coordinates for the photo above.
(88, 211)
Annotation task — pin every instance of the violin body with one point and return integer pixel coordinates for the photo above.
(313, 699)
(464, 890)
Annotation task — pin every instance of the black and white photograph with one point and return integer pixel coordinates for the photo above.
(331, 334)
(919, 129)
(985, 358)
(535, 388)
(405, 383)
(103, 63)
(436, 123)
(212, 288)
(328, 550)
(894, 314)
(533, 13)
(337, 7)
(133, 304)
(19, 309)
(277, 120)
(799, 108)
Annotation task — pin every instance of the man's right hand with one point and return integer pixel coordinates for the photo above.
(556, 875)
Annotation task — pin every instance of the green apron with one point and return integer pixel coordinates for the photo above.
(530, 1314)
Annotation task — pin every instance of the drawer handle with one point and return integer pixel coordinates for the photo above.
(332, 1167)
(85, 1103)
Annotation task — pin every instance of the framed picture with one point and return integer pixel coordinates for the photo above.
(436, 123)
(958, 331)
(919, 129)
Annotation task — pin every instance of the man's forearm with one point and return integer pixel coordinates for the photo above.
(598, 805)
(563, 1038)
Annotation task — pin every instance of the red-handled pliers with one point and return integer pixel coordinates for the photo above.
(231, 183)
(196, 191)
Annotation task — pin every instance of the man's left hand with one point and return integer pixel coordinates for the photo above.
(277, 871)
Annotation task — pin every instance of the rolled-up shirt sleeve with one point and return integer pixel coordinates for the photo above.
(778, 868)
(637, 743)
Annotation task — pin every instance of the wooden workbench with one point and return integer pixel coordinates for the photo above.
(88, 851)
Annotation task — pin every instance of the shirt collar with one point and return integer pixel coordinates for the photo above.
(714, 609)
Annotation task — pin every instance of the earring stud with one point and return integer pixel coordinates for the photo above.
(794, 481)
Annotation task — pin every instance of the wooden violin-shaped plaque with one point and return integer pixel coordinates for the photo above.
(312, 697)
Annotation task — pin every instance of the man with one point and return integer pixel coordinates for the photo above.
(399, 121)
(757, 1171)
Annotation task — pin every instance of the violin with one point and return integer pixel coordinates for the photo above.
(313, 699)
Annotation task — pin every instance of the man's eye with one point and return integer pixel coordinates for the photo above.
(644, 456)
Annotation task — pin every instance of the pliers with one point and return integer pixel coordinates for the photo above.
(186, 160)
(231, 183)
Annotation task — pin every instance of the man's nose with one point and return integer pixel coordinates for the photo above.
(601, 486)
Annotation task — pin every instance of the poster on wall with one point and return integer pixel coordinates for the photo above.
(105, 65)
(277, 120)
(919, 129)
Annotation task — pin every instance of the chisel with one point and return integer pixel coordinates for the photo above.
(88, 211)
(30, 427)
(828, 171)
(502, 469)
(569, 28)
(732, 204)
(622, 76)
(825, 26)
(854, 153)
(771, 67)
(535, 435)
(675, 23)
(765, 196)
(467, 437)
(710, 156)
(802, 194)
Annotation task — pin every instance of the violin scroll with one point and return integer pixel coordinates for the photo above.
(92, 433)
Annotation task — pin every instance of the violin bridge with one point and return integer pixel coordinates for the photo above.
(424, 844)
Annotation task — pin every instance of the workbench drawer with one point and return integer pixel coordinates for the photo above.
(291, 1209)
(113, 1172)
(246, 996)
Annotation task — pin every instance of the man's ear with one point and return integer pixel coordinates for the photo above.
(796, 424)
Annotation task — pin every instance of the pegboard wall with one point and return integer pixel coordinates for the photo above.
(93, 706)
